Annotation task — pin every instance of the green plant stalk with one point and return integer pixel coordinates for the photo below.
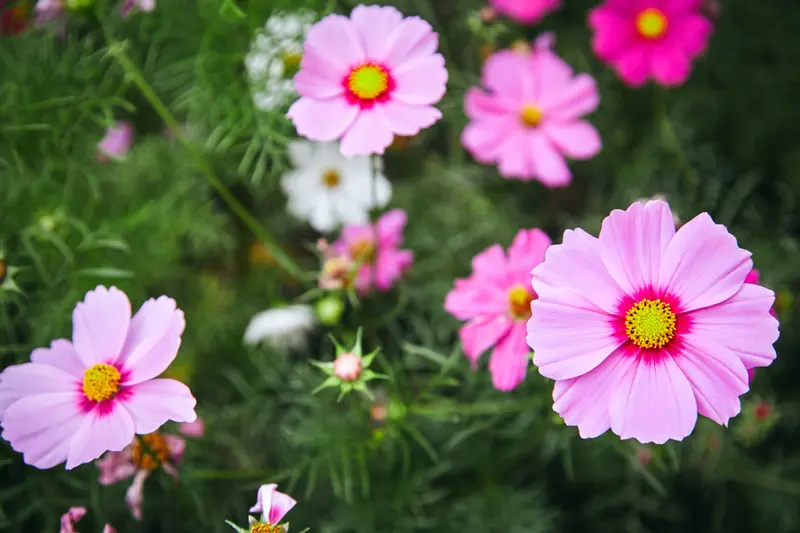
(116, 49)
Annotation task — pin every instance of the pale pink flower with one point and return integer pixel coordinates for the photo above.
(645, 327)
(76, 400)
(73, 515)
(142, 5)
(138, 461)
(49, 10)
(530, 118)
(347, 367)
(525, 11)
(366, 78)
(496, 302)
(116, 143)
(374, 248)
(272, 505)
(650, 39)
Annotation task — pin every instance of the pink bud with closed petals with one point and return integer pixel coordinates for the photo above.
(347, 367)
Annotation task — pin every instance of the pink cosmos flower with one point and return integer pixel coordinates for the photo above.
(644, 39)
(143, 5)
(116, 143)
(530, 118)
(496, 302)
(272, 504)
(139, 458)
(366, 78)
(645, 327)
(525, 11)
(753, 277)
(374, 248)
(73, 515)
(76, 400)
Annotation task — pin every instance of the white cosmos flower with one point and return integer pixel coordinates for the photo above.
(274, 56)
(282, 327)
(328, 189)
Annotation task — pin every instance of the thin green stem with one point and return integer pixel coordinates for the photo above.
(117, 50)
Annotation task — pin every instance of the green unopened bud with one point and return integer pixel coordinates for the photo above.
(329, 310)
(79, 5)
(350, 370)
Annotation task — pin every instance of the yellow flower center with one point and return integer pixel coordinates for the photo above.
(291, 63)
(362, 251)
(149, 451)
(331, 178)
(369, 81)
(651, 23)
(101, 382)
(650, 324)
(261, 527)
(519, 302)
(531, 115)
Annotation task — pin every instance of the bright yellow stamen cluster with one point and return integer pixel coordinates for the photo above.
(368, 81)
(531, 115)
(101, 382)
(650, 324)
(651, 23)
(261, 527)
(362, 251)
(519, 302)
(331, 178)
(149, 451)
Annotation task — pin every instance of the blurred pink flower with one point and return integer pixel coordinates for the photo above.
(193, 429)
(272, 505)
(138, 461)
(525, 11)
(366, 78)
(374, 248)
(496, 302)
(116, 143)
(650, 39)
(142, 5)
(73, 515)
(530, 118)
(645, 327)
(76, 400)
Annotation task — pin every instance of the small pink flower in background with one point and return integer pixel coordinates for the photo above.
(116, 143)
(142, 5)
(496, 302)
(76, 400)
(650, 39)
(347, 367)
(531, 117)
(138, 461)
(645, 327)
(273, 506)
(73, 515)
(49, 10)
(365, 78)
(374, 248)
(525, 11)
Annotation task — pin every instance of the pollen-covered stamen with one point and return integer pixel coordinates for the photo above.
(262, 527)
(368, 81)
(362, 251)
(331, 178)
(531, 115)
(101, 382)
(149, 451)
(650, 324)
(519, 302)
(651, 23)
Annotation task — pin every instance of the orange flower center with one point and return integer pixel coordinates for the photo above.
(362, 251)
(651, 23)
(368, 82)
(650, 324)
(261, 527)
(531, 115)
(519, 302)
(149, 451)
(331, 178)
(101, 382)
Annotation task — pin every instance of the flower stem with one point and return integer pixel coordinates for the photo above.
(117, 50)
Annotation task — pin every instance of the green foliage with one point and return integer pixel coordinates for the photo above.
(437, 448)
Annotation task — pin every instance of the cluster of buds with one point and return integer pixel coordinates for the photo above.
(349, 370)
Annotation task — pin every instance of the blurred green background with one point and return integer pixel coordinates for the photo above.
(453, 454)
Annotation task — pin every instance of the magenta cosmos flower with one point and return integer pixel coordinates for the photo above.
(644, 39)
(645, 327)
(496, 302)
(525, 11)
(74, 515)
(366, 78)
(374, 249)
(76, 400)
(116, 143)
(530, 118)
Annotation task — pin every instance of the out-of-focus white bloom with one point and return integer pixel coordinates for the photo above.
(274, 57)
(284, 328)
(328, 189)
